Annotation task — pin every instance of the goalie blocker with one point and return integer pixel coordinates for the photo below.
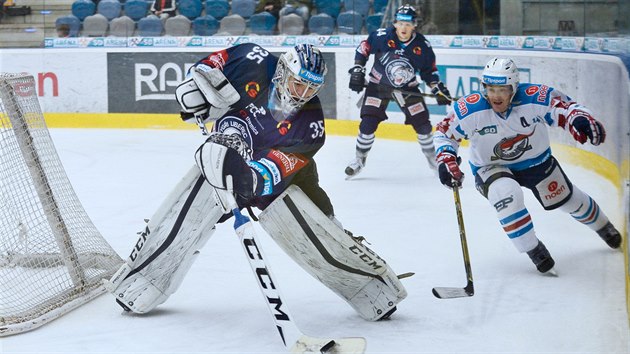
(328, 253)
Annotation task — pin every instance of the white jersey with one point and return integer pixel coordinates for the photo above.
(518, 139)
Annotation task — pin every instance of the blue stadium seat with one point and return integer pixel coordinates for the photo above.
(72, 21)
(379, 5)
(205, 26)
(83, 8)
(190, 8)
(330, 7)
(136, 9)
(263, 23)
(360, 6)
(373, 22)
(244, 8)
(350, 22)
(322, 24)
(217, 8)
(150, 26)
(109, 8)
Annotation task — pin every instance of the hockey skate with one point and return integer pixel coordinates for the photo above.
(610, 235)
(542, 259)
(355, 166)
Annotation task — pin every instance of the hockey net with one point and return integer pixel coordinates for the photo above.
(52, 257)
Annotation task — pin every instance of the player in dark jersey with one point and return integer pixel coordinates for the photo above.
(277, 115)
(400, 52)
(268, 125)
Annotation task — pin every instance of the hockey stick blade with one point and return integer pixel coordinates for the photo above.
(452, 293)
(348, 345)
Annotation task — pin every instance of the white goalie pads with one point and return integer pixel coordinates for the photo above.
(325, 251)
(168, 245)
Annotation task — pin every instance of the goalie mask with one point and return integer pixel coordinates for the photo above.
(298, 78)
(500, 72)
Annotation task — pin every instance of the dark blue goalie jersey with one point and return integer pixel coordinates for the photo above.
(250, 68)
(395, 63)
(283, 147)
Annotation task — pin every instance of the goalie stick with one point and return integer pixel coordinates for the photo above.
(292, 338)
(468, 290)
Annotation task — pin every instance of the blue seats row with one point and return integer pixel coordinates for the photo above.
(135, 9)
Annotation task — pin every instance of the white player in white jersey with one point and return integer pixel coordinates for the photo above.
(509, 148)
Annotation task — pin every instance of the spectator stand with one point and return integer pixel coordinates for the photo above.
(191, 9)
(150, 26)
(83, 8)
(263, 23)
(205, 26)
(322, 24)
(178, 26)
(109, 8)
(136, 9)
(72, 21)
(95, 26)
(217, 9)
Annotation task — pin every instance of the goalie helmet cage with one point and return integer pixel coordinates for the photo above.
(52, 257)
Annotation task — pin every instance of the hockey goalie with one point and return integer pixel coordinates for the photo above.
(267, 125)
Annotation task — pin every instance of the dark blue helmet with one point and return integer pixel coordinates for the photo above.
(406, 13)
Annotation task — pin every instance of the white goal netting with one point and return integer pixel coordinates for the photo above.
(52, 257)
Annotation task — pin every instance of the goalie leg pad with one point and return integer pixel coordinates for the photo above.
(168, 245)
(328, 253)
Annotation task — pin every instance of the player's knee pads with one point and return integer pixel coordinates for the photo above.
(168, 245)
(339, 261)
(506, 196)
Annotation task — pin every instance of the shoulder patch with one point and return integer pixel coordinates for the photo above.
(468, 104)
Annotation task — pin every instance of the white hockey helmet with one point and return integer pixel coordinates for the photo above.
(500, 71)
(301, 65)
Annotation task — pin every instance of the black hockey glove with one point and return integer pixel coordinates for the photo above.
(448, 169)
(441, 93)
(357, 78)
(583, 126)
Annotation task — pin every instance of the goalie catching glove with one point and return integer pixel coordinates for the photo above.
(448, 169)
(582, 126)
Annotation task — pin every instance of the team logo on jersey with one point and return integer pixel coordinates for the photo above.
(287, 163)
(417, 51)
(492, 129)
(391, 43)
(216, 60)
(474, 98)
(252, 88)
(399, 72)
(511, 148)
(283, 127)
(234, 125)
(530, 91)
